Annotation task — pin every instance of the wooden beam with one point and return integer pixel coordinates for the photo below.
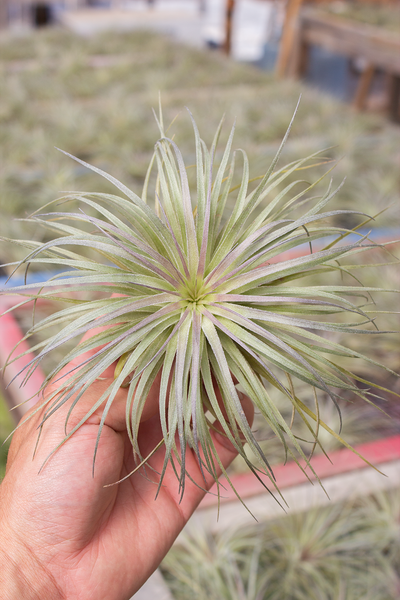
(376, 45)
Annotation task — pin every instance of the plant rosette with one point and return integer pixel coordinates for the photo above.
(202, 297)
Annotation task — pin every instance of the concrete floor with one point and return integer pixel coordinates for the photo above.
(155, 588)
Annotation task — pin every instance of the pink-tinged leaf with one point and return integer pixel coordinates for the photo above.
(276, 341)
(176, 244)
(195, 380)
(183, 337)
(192, 249)
(206, 231)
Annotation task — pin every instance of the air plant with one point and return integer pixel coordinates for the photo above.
(221, 566)
(334, 552)
(202, 297)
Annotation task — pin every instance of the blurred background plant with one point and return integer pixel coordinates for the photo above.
(93, 97)
(6, 426)
(339, 552)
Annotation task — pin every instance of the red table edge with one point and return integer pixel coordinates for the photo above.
(289, 475)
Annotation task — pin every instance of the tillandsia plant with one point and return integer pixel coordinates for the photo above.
(201, 297)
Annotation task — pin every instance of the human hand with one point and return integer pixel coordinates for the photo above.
(62, 533)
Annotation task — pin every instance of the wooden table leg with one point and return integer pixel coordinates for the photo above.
(394, 98)
(363, 87)
(230, 5)
(289, 34)
(3, 14)
(298, 64)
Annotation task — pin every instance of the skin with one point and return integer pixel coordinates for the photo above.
(63, 535)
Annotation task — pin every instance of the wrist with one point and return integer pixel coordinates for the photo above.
(21, 574)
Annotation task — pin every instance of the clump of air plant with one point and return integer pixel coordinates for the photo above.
(202, 297)
(326, 553)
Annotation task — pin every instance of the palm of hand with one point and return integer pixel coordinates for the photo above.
(96, 542)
